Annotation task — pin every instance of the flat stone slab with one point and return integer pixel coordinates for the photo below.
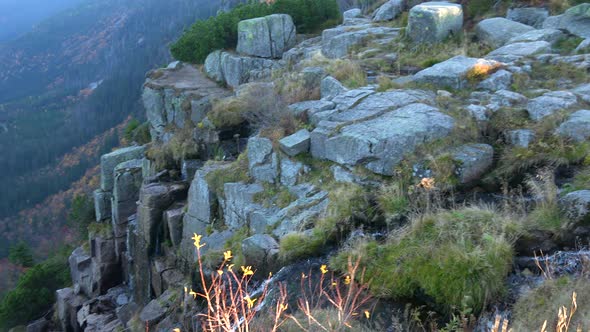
(498, 31)
(549, 103)
(380, 143)
(522, 49)
(548, 35)
(453, 72)
(295, 144)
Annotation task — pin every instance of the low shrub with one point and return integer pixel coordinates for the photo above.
(220, 32)
(35, 291)
(458, 258)
(543, 303)
(169, 155)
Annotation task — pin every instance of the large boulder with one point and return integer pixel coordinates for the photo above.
(266, 37)
(432, 22)
(497, 31)
(109, 161)
(453, 73)
(380, 142)
(577, 126)
(549, 35)
(532, 16)
(549, 103)
(575, 20)
(388, 11)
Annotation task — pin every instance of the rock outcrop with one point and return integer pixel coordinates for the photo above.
(266, 37)
(453, 73)
(431, 22)
(498, 31)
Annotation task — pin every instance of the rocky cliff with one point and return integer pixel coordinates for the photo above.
(248, 186)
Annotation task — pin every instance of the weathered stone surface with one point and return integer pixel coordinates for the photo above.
(380, 142)
(549, 35)
(331, 87)
(67, 306)
(189, 168)
(109, 161)
(243, 69)
(521, 49)
(434, 21)
(261, 251)
(309, 107)
(388, 11)
(453, 72)
(81, 270)
(40, 325)
(102, 204)
(156, 310)
(173, 219)
(172, 97)
(577, 126)
(106, 270)
(550, 103)
(575, 21)
(290, 171)
(499, 80)
(352, 13)
(478, 112)
(295, 144)
(312, 77)
(520, 137)
(498, 31)
(583, 47)
(263, 162)
(583, 91)
(532, 16)
(267, 37)
(576, 206)
(506, 98)
(337, 42)
(212, 66)
(128, 180)
(474, 160)
(239, 203)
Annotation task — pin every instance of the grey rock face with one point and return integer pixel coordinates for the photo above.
(352, 13)
(577, 126)
(310, 107)
(380, 142)
(576, 206)
(478, 112)
(102, 204)
(474, 159)
(81, 270)
(549, 103)
(337, 42)
(529, 16)
(128, 180)
(212, 66)
(506, 98)
(109, 161)
(189, 168)
(497, 31)
(295, 144)
(238, 69)
(68, 304)
(431, 22)
(575, 21)
(312, 77)
(267, 37)
(520, 137)
(40, 325)
(583, 92)
(499, 80)
(155, 311)
(173, 219)
(549, 35)
(290, 171)
(584, 46)
(263, 162)
(239, 203)
(388, 11)
(522, 49)
(262, 251)
(331, 87)
(452, 73)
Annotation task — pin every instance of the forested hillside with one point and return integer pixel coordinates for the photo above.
(73, 77)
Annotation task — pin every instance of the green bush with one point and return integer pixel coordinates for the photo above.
(35, 292)
(20, 254)
(457, 258)
(81, 214)
(221, 31)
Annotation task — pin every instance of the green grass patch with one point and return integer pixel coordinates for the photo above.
(458, 258)
(237, 172)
